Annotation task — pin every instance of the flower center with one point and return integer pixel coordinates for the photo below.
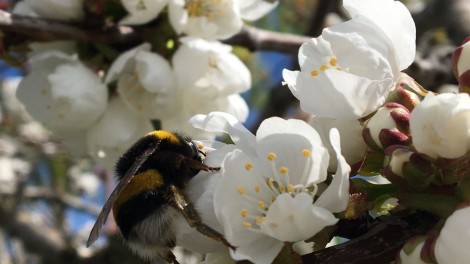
(264, 194)
(329, 63)
(204, 8)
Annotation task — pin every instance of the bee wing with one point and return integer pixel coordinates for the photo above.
(94, 234)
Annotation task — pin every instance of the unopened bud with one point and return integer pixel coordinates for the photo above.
(461, 66)
(406, 92)
(389, 126)
(414, 250)
(407, 168)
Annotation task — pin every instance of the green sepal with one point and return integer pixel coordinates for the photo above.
(373, 164)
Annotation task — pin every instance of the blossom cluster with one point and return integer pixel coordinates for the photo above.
(283, 187)
(101, 112)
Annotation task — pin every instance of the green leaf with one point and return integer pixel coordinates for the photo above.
(373, 164)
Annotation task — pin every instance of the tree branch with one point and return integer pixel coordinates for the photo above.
(39, 29)
(379, 245)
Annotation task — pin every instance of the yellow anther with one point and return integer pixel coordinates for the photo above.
(273, 198)
(261, 204)
(257, 189)
(282, 187)
(271, 156)
(290, 188)
(241, 190)
(338, 68)
(248, 166)
(246, 224)
(283, 170)
(333, 62)
(200, 146)
(323, 67)
(244, 212)
(260, 219)
(44, 91)
(314, 73)
(306, 153)
(270, 181)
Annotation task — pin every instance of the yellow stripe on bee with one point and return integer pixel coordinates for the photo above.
(144, 181)
(162, 134)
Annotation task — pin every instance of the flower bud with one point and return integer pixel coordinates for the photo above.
(389, 126)
(406, 92)
(461, 66)
(440, 125)
(406, 168)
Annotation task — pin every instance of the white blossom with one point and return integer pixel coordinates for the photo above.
(268, 189)
(209, 19)
(348, 71)
(440, 125)
(145, 82)
(62, 93)
(141, 11)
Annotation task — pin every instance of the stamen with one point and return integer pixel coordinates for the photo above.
(260, 219)
(290, 188)
(285, 171)
(282, 188)
(257, 188)
(314, 73)
(248, 166)
(200, 146)
(272, 187)
(306, 153)
(261, 204)
(303, 179)
(323, 67)
(244, 212)
(333, 62)
(246, 224)
(241, 190)
(315, 190)
(271, 156)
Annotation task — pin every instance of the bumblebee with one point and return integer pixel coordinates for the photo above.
(153, 174)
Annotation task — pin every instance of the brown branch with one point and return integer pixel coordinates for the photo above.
(379, 245)
(40, 29)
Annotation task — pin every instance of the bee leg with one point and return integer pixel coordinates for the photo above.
(170, 258)
(193, 218)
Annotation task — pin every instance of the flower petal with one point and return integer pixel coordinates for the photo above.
(295, 218)
(335, 198)
(226, 123)
(255, 9)
(141, 11)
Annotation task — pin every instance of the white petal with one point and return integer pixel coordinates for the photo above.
(223, 122)
(353, 146)
(295, 218)
(288, 139)
(118, 65)
(141, 11)
(394, 20)
(338, 94)
(65, 10)
(335, 198)
(452, 244)
(253, 10)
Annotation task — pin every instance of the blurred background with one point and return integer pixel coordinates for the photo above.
(49, 199)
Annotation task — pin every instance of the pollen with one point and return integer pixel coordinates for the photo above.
(283, 170)
(271, 156)
(241, 190)
(200, 146)
(259, 219)
(257, 189)
(290, 188)
(273, 198)
(306, 153)
(261, 204)
(333, 62)
(323, 67)
(314, 73)
(244, 212)
(246, 224)
(248, 166)
(270, 181)
(282, 187)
